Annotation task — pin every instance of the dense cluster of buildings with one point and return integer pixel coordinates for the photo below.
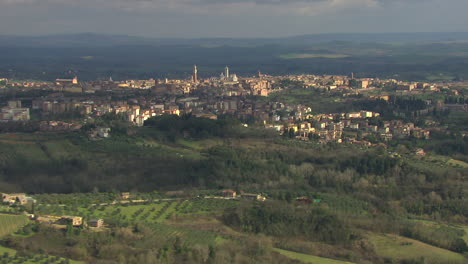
(14, 112)
(350, 126)
(226, 94)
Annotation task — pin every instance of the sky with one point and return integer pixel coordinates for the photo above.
(230, 18)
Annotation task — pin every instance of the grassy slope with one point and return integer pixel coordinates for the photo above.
(465, 237)
(308, 258)
(459, 163)
(437, 225)
(56, 146)
(7, 250)
(397, 247)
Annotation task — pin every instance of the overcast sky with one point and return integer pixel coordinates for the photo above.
(230, 18)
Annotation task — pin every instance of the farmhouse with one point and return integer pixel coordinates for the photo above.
(254, 196)
(229, 193)
(419, 152)
(303, 199)
(96, 222)
(124, 195)
(74, 220)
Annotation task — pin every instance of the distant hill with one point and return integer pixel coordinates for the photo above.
(73, 40)
(386, 37)
(407, 56)
(96, 40)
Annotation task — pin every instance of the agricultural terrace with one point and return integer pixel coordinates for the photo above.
(153, 212)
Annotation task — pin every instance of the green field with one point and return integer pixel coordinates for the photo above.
(309, 258)
(397, 247)
(11, 223)
(439, 160)
(199, 144)
(438, 225)
(57, 146)
(458, 163)
(4, 250)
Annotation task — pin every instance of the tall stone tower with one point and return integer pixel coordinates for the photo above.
(226, 72)
(195, 74)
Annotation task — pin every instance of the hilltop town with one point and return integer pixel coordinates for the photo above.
(68, 104)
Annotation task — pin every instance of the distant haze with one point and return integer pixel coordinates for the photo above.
(229, 18)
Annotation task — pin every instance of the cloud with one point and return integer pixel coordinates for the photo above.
(229, 18)
(304, 7)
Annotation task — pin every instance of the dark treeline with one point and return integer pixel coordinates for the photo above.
(370, 164)
(394, 104)
(283, 219)
(189, 126)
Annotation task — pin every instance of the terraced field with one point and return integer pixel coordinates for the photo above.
(154, 212)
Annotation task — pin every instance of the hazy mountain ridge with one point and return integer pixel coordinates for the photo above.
(93, 40)
(92, 56)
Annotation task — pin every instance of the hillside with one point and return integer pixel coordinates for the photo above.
(175, 167)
